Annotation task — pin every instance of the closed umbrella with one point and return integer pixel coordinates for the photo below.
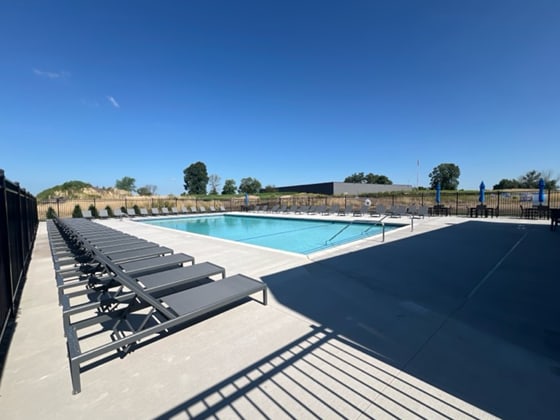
(246, 199)
(481, 192)
(541, 191)
(438, 193)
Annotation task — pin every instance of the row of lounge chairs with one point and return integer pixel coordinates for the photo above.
(378, 210)
(131, 289)
(154, 211)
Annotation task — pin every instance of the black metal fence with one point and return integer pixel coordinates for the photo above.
(18, 229)
(506, 203)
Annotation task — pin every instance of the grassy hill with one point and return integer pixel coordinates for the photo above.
(79, 190)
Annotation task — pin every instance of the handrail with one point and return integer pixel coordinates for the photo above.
(377, 223)
(339, 232)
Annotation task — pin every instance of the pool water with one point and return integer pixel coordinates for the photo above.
(295, 235)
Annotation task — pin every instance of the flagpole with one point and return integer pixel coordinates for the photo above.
(417, 171)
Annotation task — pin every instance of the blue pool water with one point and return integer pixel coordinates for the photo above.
(294, 235)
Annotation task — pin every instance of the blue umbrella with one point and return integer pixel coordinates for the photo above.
(438, 193)
(481, 192)
(541, 190)
(246, 199)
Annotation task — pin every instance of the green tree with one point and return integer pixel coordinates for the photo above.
(447, 174)
(378, 179)
(550, 182)
(361, 178)
(214, 181)
(147, 190)
(196, 178)
(229, 187)
(356, 178)
(270, 189)
(126, 183)
(249, 186)
(530, 179)
(506, 184)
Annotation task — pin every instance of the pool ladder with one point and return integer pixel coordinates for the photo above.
(348, 225)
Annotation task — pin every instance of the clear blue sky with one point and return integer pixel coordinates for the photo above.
(288, 92)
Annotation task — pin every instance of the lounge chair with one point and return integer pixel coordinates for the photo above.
(334, 209)
(193, 209)
(397, 211)
(174, 310)
(165, 211)
(144, 211)
(155, 211)
(363, 210)
(223, 209)
(202, 209)
(345, 211)
(378, 210)
(86, 214)
(119, 213)
(131, 212)
(423, 211)
(184, 210)
(103, 214)
(174, 210)
(154, 297)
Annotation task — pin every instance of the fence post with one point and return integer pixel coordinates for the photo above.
(457, 203)
(5, 259)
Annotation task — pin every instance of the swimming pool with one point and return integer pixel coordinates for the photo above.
(303, 236)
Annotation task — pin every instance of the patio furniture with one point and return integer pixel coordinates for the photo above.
(159, 299)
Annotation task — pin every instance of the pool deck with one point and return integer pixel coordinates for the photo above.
(458, 318)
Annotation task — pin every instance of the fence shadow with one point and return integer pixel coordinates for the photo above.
(458, 322)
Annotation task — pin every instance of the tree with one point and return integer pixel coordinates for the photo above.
(214, 183)
(506, 184)
(447, 174)
(249, 186)
(378, 179)
(126, 183)
(550, 183)
(361, 178)
(196, 178)
(147, 190)
(356, 178)
(229, 187)
(530, 179)
(270, 189)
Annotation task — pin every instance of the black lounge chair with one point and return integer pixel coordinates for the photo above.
(166, 311)
(160, 299)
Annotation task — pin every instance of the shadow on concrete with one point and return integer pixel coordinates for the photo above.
(471, 309)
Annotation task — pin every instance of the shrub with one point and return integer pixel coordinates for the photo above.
(77, 212)
(136, 209)
(51, 214)
(110, 211)
(93, 210)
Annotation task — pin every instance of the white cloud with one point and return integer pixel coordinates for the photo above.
(113, 101)
(50, 74)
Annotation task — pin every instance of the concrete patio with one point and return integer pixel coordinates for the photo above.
(456, 319)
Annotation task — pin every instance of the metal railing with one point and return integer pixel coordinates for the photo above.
(507, 203)
(18, 229)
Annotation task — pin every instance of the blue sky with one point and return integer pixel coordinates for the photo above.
(288, 92)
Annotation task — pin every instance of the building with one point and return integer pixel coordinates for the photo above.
(341, 188)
